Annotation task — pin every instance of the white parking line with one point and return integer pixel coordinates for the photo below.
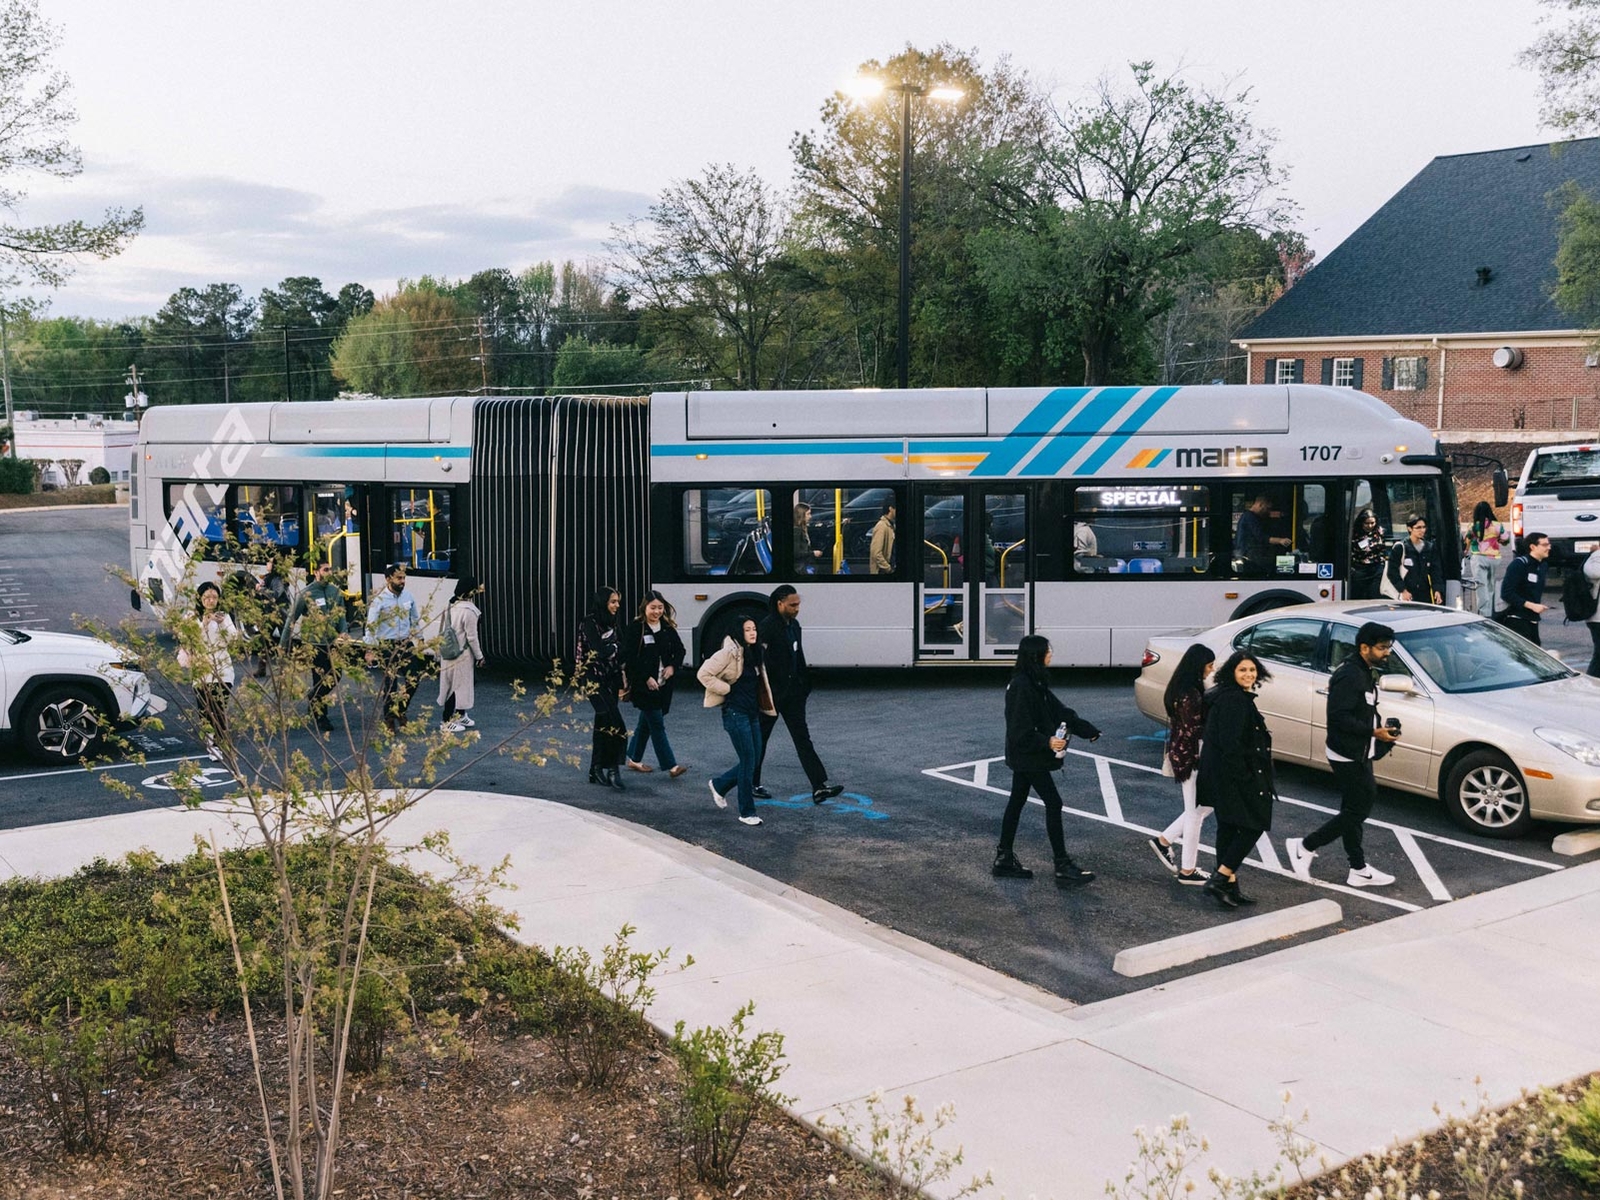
(1108, 791)
(1425, 872)
(153, 762)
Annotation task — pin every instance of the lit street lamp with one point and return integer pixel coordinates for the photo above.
(866, 87)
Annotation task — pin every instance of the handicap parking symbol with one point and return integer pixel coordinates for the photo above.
(848, 803)
(1324, 570)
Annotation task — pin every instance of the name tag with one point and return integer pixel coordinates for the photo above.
(1372, 697)
(1406, 562)
(649, 639)
(322, 602)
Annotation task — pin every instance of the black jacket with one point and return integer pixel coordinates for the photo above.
(1236, 760)
(1353, 711)
(599, 657)
(785, 655)
(1523, 584)
(1420, 572)
(642, 661)
(1033, 714)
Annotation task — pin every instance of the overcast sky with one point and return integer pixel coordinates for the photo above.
(368, 141)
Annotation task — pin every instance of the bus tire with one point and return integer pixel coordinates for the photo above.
(725, 623)
(1266, 601)
(1484, 794)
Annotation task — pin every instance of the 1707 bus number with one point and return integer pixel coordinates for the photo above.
(1319, 453)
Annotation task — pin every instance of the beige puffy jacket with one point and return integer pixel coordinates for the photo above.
(721, 671)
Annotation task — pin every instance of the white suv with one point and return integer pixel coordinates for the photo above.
(62, 692)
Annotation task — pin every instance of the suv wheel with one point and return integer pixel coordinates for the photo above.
(62, 723)
(1486, 796)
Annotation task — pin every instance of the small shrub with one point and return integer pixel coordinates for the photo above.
(75, 1066)
(594, 1011)
(900, 1143)
(1577, 1144)
(726, 1079)
(18, 476)
(374, 1018)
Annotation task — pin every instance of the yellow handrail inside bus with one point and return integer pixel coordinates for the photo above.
(940, 552)
(350, 575)
(761, 505)
(838, 529)
(430, 521)
(1003, 554)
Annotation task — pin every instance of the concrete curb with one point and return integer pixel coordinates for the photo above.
(1224, 939)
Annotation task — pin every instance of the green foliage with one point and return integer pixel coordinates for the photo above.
(594, 1010)
(410, 343)
(583, 365)
(100, 476)
(1566, 58)
(18, 476)
(727, 1077)
(902, 1144)
(1577, 1146)
(76, 1064)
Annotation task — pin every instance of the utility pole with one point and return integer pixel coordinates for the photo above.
(288, 379)
(135, 401)
(483, 360)
(5, 383)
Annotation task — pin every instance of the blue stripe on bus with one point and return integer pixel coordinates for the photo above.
(1131, 426)
(366, 451)
(1156, 461)
(1089, 421)
(1029, 431)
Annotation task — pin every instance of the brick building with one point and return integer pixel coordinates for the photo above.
(1441, 302)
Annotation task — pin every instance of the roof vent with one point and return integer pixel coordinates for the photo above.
(1485, 274)
(1508, 358)
(1525, 156)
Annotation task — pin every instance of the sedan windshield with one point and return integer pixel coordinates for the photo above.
(1479, 657)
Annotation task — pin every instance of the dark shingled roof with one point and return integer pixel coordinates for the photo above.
(1412, 268)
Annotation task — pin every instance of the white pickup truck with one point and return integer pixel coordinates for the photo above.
(1559, 495)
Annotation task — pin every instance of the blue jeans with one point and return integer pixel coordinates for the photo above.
(652, 724)
(744, 731)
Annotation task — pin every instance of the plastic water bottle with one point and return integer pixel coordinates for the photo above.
(1061, 732)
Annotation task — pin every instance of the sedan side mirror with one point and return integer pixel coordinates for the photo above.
(1399, 684)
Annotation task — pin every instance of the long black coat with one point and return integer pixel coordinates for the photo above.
(642, 662)
(1236, 760)
(785, 656)
(1033, 714)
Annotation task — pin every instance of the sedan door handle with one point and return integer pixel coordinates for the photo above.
(1322, 691)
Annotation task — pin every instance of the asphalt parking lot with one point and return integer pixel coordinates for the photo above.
(910, 843)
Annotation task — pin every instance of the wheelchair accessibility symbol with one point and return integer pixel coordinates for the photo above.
(1324, 570)
(206, 778)
(846, 803)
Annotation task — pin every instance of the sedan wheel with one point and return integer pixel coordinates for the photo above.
(62, 724)
(1486, 796)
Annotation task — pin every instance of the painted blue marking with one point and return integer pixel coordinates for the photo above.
(1030, 431)
(1141, 416)
(846, 802)
(1156, 461)
(1159, 735)
(1089, 421)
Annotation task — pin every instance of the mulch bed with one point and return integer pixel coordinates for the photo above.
(502, 1123)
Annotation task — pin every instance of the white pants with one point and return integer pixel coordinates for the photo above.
(1187, 826)
(1486, 571)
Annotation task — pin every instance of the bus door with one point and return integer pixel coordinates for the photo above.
(336, 518)
(973, 595)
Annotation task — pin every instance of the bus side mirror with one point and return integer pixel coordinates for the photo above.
(1502, 487)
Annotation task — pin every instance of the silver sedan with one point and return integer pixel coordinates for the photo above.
(1499, 730)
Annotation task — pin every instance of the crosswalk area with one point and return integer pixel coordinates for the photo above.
(1430, 867)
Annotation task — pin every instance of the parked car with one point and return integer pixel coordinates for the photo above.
(63, 693)
(1498, 729)
(1558, 494)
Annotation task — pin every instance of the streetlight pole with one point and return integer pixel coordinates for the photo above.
(5, 384)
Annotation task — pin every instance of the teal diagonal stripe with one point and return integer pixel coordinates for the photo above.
(1086, 423)
(1135, 422)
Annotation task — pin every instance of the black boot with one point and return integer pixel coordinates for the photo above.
(597, 776)
(1007, 866)
(1221, 889)
(614, 779)
(1069, 873)
(1238, 896)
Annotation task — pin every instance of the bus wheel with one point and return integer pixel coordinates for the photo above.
(1266, 603)
(727, 624)
(1486, 796)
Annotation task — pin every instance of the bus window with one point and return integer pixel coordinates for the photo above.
(197, 509)
(267, 515)
(420, 533)
(1162, 529)
(842, 522)
(727, 531)
(1280, 530)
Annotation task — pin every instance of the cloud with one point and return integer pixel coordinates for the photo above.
(596, 206)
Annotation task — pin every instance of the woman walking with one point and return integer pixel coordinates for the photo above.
(1369, 555)
(1037, 725)
(1485, 537)
(1185, 702)
(599, 667)
(652, 656)
(212, 667)
(1236, 772)
(735, 679)
(458, 676)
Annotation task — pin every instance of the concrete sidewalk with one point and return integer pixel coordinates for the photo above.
(1368, 1029)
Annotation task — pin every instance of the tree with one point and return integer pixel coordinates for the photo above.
(708, 268)
(71, 364)
(197, 344)
(583, 365)
(1567, 58)
(34, 112)
(414, 343)
(1138, 183)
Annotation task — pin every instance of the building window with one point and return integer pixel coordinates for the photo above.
(1288, 370)
(1344, 372)
(1407, 374)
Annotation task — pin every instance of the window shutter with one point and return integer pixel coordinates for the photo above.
(1299, 373)
(1327, 372)
(1269, 373)
(1422, 373)
(1388, 374)
(1355, 376)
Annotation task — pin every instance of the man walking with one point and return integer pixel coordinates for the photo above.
(321, 606)
(1357, 738)
(1415, 569)
(1523, 588)
(392, 626)
(785, 658)
(880, 558)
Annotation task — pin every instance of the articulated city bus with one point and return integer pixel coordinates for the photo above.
(1095, 516)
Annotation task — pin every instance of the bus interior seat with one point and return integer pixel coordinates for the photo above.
(1116, 566)
(1144, 566)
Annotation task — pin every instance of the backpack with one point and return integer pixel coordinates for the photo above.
(1577, 595)
(450, 648)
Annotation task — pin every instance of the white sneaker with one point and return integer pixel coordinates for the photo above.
(1299, 857)
(717, 797)
(465, 721)
(452, 727)
(749, 820)
(1369, 876)
(213, 753)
